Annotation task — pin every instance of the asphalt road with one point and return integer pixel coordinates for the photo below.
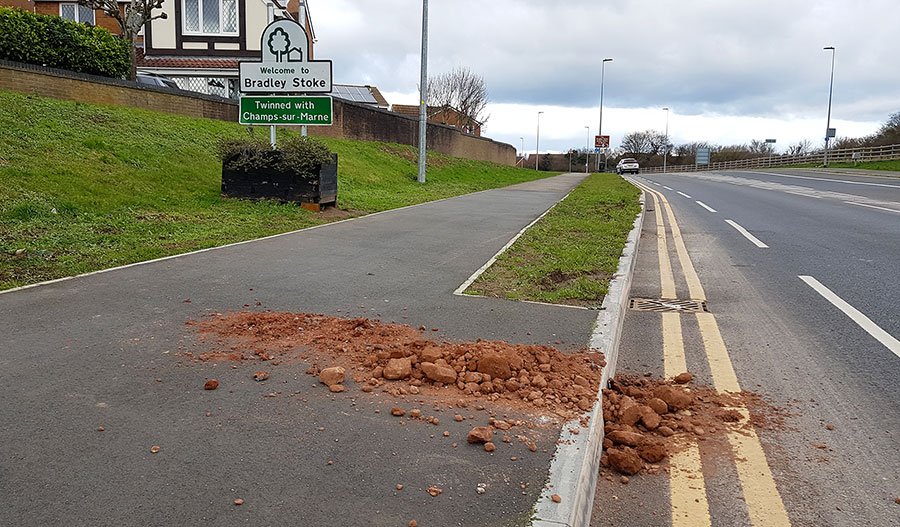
(100, 350)
(786, 341)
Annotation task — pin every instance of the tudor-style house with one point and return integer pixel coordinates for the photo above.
(199, 43)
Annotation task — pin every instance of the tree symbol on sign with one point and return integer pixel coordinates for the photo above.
(279, 44)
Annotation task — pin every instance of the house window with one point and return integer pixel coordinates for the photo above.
(77, 13)
(210, 17)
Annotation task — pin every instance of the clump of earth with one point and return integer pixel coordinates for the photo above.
(401, 360)
(646, 419)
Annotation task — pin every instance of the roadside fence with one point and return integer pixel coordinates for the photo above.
(845, 155)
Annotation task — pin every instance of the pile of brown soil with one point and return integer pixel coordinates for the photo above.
(400, 360)
(648, 419)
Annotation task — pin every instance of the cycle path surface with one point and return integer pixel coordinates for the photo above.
(100, 350)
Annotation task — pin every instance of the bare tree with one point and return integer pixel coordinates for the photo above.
(761, 148)
(131, 18)
(460, 90)
(802, 148)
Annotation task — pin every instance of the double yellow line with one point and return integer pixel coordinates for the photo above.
(687, 486)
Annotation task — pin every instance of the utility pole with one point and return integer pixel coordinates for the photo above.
(600, 128)
(537, 146)
(830, 91)
(666, 146)
(587, 148)
(423, 95)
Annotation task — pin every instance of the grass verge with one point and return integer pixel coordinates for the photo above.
(887, 164)
(85, 187)
(570, 255)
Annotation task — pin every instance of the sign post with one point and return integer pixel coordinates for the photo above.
(702, 156)
(285, 71)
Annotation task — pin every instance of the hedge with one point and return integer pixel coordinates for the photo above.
(59, 43)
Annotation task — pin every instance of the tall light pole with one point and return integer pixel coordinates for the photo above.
(537, 146)
(587, 148)
(523, 145)
(830, 91)
(666, 146)
(423, 95)
(600, 128)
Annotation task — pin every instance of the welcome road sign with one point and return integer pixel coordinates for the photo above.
(285, 66)
(305, 110)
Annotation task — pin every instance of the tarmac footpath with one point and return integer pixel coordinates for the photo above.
(102, 351)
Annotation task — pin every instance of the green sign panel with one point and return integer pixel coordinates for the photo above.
(300, 110)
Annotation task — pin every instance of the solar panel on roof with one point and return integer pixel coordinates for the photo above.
(354, 93)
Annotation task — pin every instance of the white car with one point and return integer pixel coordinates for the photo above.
(628, 165)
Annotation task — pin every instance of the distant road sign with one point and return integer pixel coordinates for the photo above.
(771, 141)
(832, 132)
(703, 156)
(601, 141)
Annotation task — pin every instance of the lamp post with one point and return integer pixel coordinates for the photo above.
(537, 146)
(423, 95)
(830, 91)
(523, 145)
(587, 148)
(600, 128)
(666, 146)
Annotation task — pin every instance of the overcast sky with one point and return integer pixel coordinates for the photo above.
(729, 70)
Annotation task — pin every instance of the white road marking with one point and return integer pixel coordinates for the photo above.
(863, 321)
(667, 188)
(831, 180)
(685, 195)
(747, 235)
(872, 206)
(707, 207)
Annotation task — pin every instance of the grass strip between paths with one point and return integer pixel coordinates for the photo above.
(885, 164)
(85, 187)
(570, 255)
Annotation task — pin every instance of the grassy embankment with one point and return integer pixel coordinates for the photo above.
(571, 254)
(86, 187)
(888, 164)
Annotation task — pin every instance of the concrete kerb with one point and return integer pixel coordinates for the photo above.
(576, 463)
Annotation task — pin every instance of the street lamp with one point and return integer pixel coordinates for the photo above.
(600, 128)
(666, 146)
(830, 91)
(423, 95)
(537, 146)
(587, 148)
(523, 145)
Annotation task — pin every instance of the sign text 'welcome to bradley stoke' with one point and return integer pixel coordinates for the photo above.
(285, 65)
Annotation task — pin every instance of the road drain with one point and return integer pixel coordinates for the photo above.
(668, 305)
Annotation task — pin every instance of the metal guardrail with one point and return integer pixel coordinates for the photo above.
(845, 155)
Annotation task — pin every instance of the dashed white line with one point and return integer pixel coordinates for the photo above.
(667, 188)
(705, 206)
(685, 195)
(756, 241)
(863, 321)
(872, 206)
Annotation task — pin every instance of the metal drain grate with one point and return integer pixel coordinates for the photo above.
(668, 305)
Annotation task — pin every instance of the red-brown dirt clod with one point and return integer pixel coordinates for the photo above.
(211, 384)
(434, 491)
(625, 460)
(480, 434)
(100, 429)
(413, 523)
(154, 449)
(489, 447)
(683, 378)
(398, 412)
(260, 376)
(332, 376)
(238, 501)
(337, 388)
(556, 498)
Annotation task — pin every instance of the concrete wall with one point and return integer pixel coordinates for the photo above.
(351, 120)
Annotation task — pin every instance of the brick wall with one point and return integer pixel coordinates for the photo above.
(100, 18)
(351, 121)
